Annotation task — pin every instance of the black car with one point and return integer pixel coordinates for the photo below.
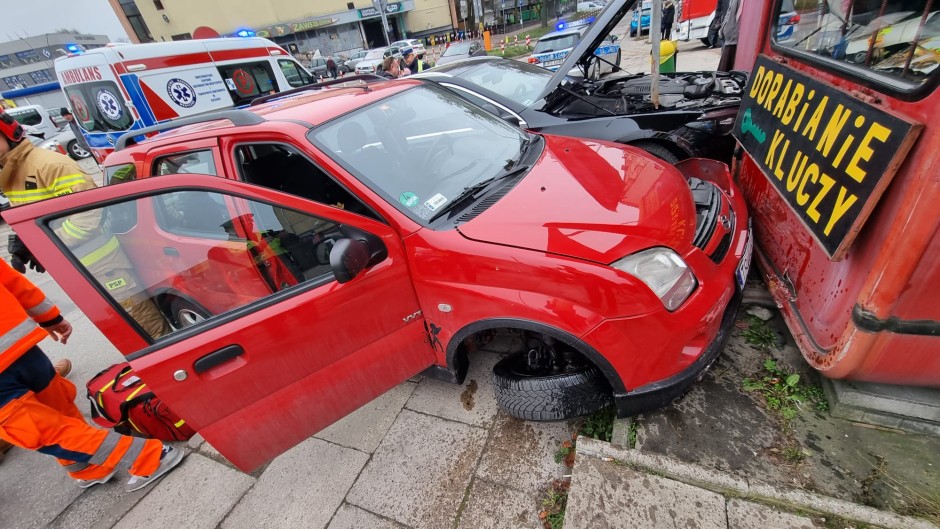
(461, 50)
(694, 118)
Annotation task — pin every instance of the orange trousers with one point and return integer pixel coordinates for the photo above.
(38, 412)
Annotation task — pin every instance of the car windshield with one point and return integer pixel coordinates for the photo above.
(515, 80)
(560, 42)
(421, 148)
(457, 49)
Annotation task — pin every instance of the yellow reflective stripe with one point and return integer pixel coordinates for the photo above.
(33, 195)
(73, 230)
(182, 422)
(101, 252)
(135, 392)
(63, 184)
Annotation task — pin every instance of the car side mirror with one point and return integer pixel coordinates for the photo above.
(355, 252)
(348, 259)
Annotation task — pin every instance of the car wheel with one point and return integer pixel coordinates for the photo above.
(580, 389)
(185, 314)
(76, 152)
(658, 151)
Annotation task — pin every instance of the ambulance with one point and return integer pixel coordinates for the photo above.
(125, 87)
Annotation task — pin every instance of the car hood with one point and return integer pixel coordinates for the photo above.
(602, 26)
(591, 200)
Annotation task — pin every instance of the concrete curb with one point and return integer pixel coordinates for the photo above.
(724, 483)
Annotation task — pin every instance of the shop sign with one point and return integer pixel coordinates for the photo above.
(390, 9)
(828, 154)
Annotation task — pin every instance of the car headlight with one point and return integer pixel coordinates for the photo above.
(664, 272)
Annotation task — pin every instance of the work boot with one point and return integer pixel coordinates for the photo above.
(4, 448)
(63, 367)
(169, 458)
(85, 483)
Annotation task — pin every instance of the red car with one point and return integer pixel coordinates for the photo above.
(350, 238)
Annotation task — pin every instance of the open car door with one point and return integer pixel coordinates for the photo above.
(275, 347)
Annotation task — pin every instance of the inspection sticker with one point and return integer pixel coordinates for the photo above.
(436, 201)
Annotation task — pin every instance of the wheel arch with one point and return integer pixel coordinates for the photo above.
(458, 363)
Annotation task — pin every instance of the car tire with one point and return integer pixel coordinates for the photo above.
(658, 151)
(185, 314)
(549, 398)
(75, 151)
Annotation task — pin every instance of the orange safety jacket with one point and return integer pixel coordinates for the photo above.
(24, 310)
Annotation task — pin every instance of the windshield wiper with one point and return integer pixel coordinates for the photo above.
(473, 190)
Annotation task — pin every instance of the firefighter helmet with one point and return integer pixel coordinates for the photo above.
(10, 128)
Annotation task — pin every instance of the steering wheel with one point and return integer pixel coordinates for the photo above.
(441, 145)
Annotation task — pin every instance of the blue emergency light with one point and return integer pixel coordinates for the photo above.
(245, 33)
(560, 26)
(74, 48)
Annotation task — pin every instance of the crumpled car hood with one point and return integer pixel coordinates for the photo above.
(591, 200)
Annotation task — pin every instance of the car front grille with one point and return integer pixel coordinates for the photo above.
(713, 219)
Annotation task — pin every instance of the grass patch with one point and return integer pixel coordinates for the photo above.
(634, 429)
(783, 392)
(565, 454)
(554, 503)
(759, 334)
(511, 51)
(600, 424)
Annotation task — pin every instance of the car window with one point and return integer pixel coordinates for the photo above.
(514, 80)
(893, 43)
(195, 162)
(457, 49)
(420, 148)
(120, 173)
(561, 42)
(295, 75)
(27, 116)
(246, 81)
(99, 107)
(284, 168)
(213, 252)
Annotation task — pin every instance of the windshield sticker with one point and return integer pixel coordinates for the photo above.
(181, 92)
(408, 199)
(230, 84)
(244, 82)
(436, 201)
(108, 104)
(81, 111)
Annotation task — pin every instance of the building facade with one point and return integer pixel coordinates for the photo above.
(328, 26)
(27, 74)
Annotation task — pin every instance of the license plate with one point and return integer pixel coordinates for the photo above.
(745, 265)
(546, 64)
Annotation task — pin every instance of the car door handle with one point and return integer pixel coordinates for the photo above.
(217, 358)
(171, 251)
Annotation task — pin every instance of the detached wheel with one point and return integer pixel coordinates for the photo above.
(579, 390)
(75, 151)
(658, 151)
(184, 314)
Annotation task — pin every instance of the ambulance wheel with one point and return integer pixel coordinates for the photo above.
(76, 152)
(185, 314)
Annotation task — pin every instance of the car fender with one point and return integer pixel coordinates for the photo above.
(679, 146)
(458, 363)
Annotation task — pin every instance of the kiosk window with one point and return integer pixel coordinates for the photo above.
(894, 43)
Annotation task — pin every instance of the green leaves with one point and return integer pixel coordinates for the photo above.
(783, 392)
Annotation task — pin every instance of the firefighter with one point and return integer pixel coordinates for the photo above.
(37, 408)
(29, 174)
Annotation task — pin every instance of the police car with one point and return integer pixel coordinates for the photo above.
(550, 50)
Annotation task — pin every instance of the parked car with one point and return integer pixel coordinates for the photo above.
(550, 51)
(462, 50)
(351, 62)
(640, 21)
(372, 61)
(348, 239)
(67, 140)
(36, 121)
(318, 67)
(695, 115)
(416, 44)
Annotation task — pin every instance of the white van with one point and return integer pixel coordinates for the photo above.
(35, 120)
(123, 87)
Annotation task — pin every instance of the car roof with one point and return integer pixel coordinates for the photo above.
(311, 108)
(564, 32)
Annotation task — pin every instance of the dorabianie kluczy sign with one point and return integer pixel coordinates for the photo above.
(829, 155)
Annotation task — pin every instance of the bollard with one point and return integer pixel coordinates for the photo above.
(527, 41)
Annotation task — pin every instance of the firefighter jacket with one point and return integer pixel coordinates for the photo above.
(31, 174)
(24, 309)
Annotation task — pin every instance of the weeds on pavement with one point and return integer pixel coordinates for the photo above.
(600, 424)
(565, 454)
(759, 334)
(783, 392)
(912, 502)
(554, 503)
